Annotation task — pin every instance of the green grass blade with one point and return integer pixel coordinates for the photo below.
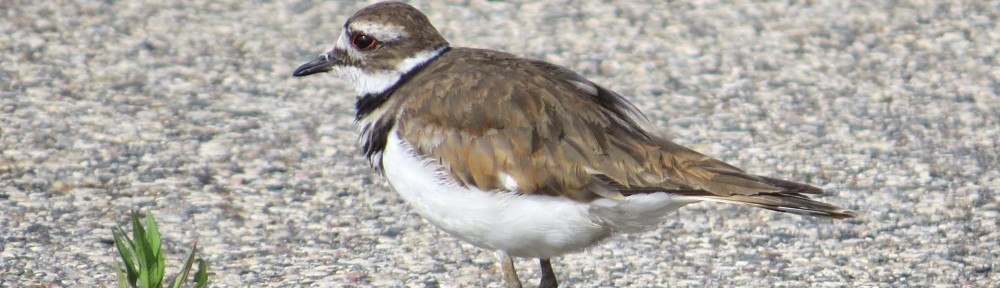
(178, 281)
(126, 249)
(201, 278)
(120, 275)
(158, 269)
(144, 253)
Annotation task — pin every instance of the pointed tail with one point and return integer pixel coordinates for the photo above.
(785, 202)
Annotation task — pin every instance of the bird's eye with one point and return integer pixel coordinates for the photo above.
(362, 41)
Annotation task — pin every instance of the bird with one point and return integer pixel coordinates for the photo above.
(520, 156)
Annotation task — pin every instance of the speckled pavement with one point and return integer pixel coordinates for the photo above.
(188, 109)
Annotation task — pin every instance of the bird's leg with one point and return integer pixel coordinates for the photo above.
(548, 276)
(509, 274)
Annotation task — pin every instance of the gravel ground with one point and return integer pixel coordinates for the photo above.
(187, 109)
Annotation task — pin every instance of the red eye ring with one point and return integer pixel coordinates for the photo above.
(363, 42)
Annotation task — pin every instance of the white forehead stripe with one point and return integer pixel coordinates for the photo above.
(380, 31)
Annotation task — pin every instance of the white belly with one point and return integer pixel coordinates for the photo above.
(523, 225)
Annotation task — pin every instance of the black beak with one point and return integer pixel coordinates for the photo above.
(321, 64)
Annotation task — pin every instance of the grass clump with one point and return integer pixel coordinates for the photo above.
(142, 264)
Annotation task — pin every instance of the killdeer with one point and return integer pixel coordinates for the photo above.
(520, 156)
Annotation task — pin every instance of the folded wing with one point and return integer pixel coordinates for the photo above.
(555, 133)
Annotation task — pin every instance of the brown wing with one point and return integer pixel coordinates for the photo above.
(554, 133)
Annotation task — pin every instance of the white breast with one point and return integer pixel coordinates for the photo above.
(523, 225)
